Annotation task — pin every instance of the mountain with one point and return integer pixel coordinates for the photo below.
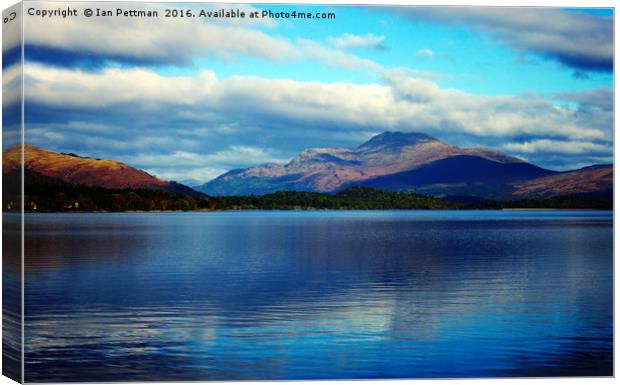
(461, 175)
(391, 160)
(592, 179)
(189, 182)
(413, 162)
(402, 164)
(74, 169)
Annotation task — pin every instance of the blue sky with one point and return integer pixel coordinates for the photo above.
(193, 98)
(456, 55)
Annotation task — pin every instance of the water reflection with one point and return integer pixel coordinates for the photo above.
(11, 295)
(317, 295)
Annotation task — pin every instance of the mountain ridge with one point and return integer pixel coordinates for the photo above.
(327, 169)
(397, 162)
(416, 162)
(594, 178)
(75, 169)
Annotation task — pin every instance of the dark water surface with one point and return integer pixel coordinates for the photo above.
(301, 295)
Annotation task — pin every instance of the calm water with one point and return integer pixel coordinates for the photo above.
(300, 295)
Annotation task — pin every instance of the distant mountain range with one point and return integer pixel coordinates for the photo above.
(413, 162)
(392, 161)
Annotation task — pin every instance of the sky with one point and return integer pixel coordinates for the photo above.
(189, 99)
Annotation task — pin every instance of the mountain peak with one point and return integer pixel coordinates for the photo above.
(397, 138)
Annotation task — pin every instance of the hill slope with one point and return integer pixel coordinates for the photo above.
(592, 179)
(461, 175)
(74, 169)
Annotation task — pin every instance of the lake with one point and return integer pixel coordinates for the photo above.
(318, 295)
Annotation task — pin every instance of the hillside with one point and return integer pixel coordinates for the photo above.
(597, 178)
(75, 169)
(461, 174)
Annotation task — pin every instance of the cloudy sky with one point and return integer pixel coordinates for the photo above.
(193, 98)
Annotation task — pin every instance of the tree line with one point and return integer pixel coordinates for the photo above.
(44, 194)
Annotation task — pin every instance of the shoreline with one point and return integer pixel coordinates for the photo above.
(304, 210)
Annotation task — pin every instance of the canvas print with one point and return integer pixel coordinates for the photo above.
(210, 191)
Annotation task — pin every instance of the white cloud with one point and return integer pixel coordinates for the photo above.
(233, 156)
(602, 98)
(161, 40)
(11, 85)
(314, 51)
(179, 165)
(578, 40)
(428, 105)
(143, 42)
(257, 120)
(403, 102)
(557, 147)
(167, 41)
(425, 52)
(76, 88)
(199, 174)
(351, 41)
